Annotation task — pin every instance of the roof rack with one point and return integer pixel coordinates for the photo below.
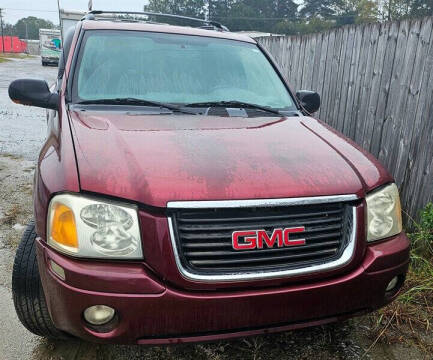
(206, 24)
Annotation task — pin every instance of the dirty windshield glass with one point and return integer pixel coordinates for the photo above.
(175, 69)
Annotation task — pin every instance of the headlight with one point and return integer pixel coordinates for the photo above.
(85, 227)
(384, 213)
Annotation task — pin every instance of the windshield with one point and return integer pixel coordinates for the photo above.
(176, 69)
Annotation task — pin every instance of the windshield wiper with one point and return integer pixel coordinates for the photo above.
(233, 103)
(136, 101)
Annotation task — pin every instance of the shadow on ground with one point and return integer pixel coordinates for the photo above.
(325, 342)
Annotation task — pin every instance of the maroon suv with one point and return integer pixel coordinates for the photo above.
(184, 193)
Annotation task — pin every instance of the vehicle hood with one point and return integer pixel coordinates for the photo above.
(154, 159)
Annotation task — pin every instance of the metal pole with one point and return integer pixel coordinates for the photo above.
(3, 38)
(60, 22)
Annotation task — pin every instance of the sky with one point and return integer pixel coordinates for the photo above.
(13, 10)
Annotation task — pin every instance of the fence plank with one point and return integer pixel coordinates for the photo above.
(366, 85)
(347, 61)
(322, 67)
(352, 85)
(359, 80)
(385, 83)
(376, 84)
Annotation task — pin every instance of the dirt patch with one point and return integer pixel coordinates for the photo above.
(15, 198)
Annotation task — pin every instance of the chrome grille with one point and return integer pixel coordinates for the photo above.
(203, 237)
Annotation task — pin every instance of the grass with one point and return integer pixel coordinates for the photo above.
(409, 319)
(4, 57)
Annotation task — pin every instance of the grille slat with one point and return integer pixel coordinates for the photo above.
(204, 237)
(252, 219)
(259, 224)
(263, 259)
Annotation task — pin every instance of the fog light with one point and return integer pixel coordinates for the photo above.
(392, 284)
(58, 270)
(99, 314)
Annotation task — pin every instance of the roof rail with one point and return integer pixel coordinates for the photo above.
(207, 24)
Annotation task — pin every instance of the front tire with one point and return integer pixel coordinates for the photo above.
(28, 294)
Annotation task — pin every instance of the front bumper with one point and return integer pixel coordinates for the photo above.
(151, 313)
(50, 60)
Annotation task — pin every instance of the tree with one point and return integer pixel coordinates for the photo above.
(395, 9)
(356, 11)
(285, 8)
(29, 27)
(315, 8)
(8, 29)
(220, 9)
(368, 11)
(252, 14)
(421, 8)
(193, 8)
(244, 15)
(293, 16)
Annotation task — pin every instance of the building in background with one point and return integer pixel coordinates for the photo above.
(33, 47)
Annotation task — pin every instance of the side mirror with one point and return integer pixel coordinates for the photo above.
(33, 93)
(309, 100)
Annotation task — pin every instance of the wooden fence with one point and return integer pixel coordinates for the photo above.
(376, 83)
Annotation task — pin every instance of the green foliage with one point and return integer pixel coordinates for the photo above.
(422, 237)
(421, 8)
(252, 14)
(29, 27)
(315, 25)
(356, 11)
(292, 16)
(367, 11)
(194, 8)
(421, 274)
(317, 8)
(400, 9)
(409, 317)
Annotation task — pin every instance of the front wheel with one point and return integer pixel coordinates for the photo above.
(28, 295)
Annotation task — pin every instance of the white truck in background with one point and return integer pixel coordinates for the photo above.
(50, 44)
(68, 19)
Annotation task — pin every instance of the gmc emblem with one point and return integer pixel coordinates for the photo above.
(257, 239)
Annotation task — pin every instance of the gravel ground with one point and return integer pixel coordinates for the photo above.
(22, 131)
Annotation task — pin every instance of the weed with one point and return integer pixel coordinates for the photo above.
(408, 319)
(422, 238)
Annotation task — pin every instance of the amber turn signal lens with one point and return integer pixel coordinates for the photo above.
(63, 228)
